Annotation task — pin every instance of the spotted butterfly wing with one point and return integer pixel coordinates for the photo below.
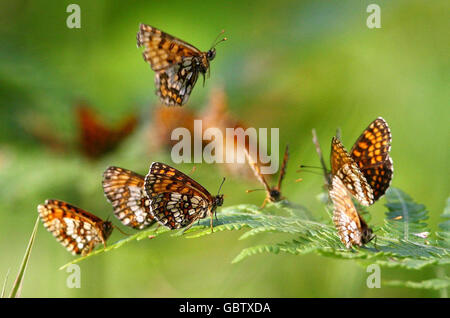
(177, 64)
(124, 189)
(76, 229)
(371, 154)
(176, 200)
(352, 229)
(343, 166)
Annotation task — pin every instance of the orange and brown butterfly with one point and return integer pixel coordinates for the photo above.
(176, 63)
(176, 200)
(76, 229)
(273, 194)
(352, 229)
(96, 139)
(124, 189)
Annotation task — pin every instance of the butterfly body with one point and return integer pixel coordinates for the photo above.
(176, 200)
(77, 230)
(177, 64)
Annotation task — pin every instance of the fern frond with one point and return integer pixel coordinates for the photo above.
(434, 283)
(444, 235)
(405, 219)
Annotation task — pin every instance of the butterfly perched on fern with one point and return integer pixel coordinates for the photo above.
(124, 189)
(77, 230)
(273, 194)
(177, 64)
(352, 229)
(95, 138)
(176, 200)
(365, 173)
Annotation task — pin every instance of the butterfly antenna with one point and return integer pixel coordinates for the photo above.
(218, 192)
(253, 190)
(215, 42)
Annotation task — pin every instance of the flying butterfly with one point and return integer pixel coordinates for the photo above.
(76, 229)
(352, 229)
(273, 194)
(176, 63)
(176, 200)
(95, 138)
(124, 189)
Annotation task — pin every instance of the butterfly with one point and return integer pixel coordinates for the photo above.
(95, 138)
(352, 228)
(176, 63)
(273, 194)
(76, 229)
(124, 189)
(176, 200)
(367, 170)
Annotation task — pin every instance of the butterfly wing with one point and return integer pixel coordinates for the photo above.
(176, 200)
(163, 50)
(371, 153)
(175, 83)
(124, 189)
(95, 138)
(343, 166)
(175, 62)
(77, 230)
(345, 216)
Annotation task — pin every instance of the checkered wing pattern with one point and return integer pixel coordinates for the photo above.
(343, 166)
(124, 189)
(176, 200)
(371, 154)
(176, 63)
(77, 230)
(352, 229)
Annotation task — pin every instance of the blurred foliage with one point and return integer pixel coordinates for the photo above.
(296, 65)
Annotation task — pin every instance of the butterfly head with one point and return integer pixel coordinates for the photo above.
(367, 235)
(211, 54)
(275, 195)
(107, 228)
(218, 199)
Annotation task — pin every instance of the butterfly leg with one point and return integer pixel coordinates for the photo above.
(264, 203)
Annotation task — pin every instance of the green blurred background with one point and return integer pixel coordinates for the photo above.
(296, 65)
